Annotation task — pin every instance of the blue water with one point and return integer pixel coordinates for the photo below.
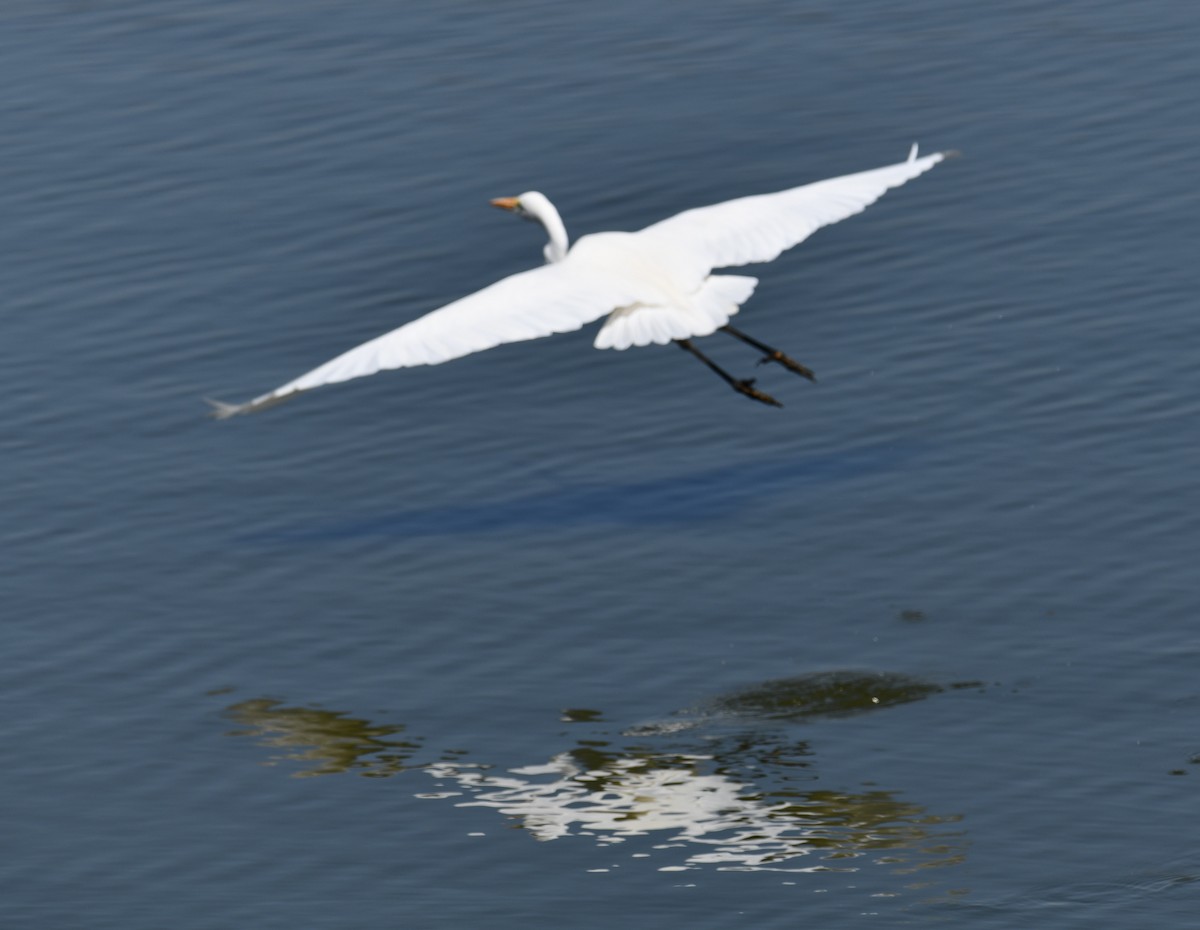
(551, 636)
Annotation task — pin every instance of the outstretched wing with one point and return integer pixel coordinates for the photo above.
(760, 227)
(551, 299)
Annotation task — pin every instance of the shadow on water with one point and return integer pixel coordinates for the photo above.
(738, 795)
(708, 494)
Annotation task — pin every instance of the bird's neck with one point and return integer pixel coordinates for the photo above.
(556, 248)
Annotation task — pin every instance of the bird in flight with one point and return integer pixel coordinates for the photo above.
(655, 285)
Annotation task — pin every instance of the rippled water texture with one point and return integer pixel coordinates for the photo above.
(556, 637)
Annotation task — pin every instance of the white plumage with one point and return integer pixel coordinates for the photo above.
(655, 285)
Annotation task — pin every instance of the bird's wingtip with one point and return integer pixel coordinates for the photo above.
(223, 411)
(940, 156)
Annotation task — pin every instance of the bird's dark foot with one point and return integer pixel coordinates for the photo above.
(747, 387)
(789, 363)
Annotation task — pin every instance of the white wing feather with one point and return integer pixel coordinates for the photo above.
(760, 227)
(556, 298)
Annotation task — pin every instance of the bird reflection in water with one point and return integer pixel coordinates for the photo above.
(690, 803)
(329, 741)
(720, 786)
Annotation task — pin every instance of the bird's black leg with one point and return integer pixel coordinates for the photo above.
(742, 387)
(773, 355)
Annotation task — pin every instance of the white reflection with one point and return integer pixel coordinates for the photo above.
(714, 819)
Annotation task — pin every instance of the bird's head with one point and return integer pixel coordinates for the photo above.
(536, 207)
(529, 206)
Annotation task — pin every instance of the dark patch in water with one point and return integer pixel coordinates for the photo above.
(820, 694)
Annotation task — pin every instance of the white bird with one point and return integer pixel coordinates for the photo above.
(654, 285)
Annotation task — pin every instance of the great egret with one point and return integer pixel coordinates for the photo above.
(654, 285)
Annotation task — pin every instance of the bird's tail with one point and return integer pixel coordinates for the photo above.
(722, 295)
(710, 308)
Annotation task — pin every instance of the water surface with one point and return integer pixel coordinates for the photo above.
(560, 637)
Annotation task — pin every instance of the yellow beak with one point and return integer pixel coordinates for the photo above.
(506, 203)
